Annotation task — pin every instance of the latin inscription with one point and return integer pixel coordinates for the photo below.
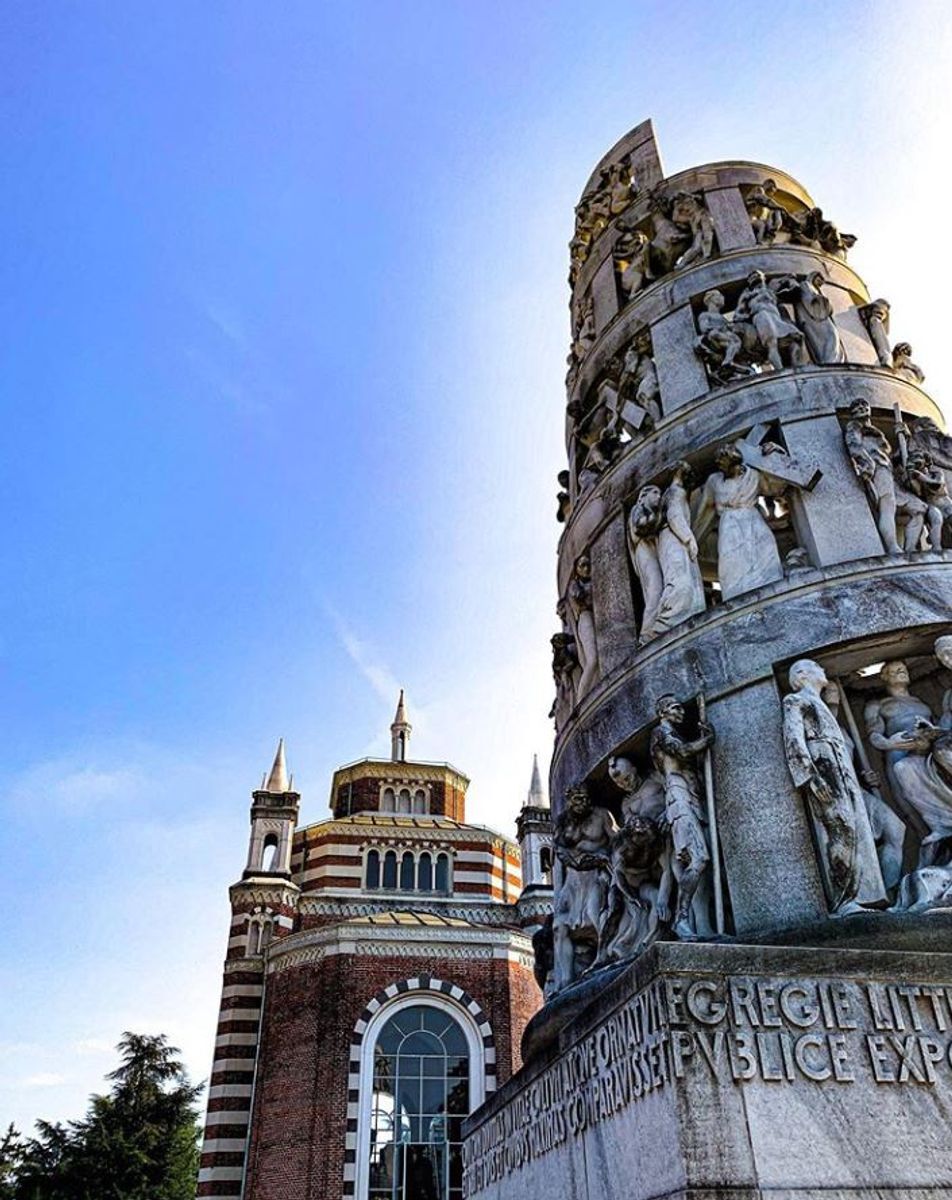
(737, 1030)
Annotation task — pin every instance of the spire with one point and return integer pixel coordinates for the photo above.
(277, 782)
(400, 732)
(536, 797)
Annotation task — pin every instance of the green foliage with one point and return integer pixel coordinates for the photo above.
(139, 1142)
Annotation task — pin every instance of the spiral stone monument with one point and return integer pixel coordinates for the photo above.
(749, 975)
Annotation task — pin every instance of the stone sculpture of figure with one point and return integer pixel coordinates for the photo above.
(674, 756)
(601, 454)
(758, 305)
(812, 228)
(644, 525)
(903, 365)
(621, 188)
(642, 797)
(926, 435)
(682, 593)
(747, 555)
(766, 214)
(719, 343)
(582, 840)
(876, 317)
(584, 334)
(632, 257)
(578, 253)
(639, 378)
(639, 895)
(813, 314)
(668, 240)
(930, 485)
(888, 831)
(563, 498)
(565, 666)
(688, 211)
(871, 455)
(918, 758)
(580, 606)
(821, 765)
(943, 652)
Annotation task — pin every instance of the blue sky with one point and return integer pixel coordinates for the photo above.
(284, 311)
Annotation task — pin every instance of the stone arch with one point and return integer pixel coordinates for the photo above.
(420, 987)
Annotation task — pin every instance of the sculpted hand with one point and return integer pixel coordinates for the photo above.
(692, 548)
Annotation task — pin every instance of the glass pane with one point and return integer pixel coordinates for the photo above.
(433, 1095)
(422, 1042)
(457, 1100)
(390, 869)
(407, 873)
(434, 1066)
(457, 1068)
(425, 880)
(442, 874)
(454, 1129)
(373, 869)
(408, 1095)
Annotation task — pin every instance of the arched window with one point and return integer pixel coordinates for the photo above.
(443, 873)
(407, 872)
(545, 860)
(388, 801)
(390, 869)
(373, 869)
(254, 937)
(424, 1079)
(403, 800)
(269, 853)
(419, 801)
(425, 873)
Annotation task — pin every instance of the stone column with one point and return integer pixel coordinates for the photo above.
(616, 629)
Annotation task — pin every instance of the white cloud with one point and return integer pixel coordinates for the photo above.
(43, 1079)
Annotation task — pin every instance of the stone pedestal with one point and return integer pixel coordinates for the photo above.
(742, 1071)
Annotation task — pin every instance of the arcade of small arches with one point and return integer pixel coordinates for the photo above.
(402, 800)
(260, 931)
(409, 871)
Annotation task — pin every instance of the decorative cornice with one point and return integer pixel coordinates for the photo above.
(281, 891)
(478, 913)
(383, 828)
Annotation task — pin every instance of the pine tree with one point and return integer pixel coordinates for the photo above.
(139, 1142)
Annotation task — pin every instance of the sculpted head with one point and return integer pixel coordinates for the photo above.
(943, 650)
(583, 567)
(670, 708)
(859, 410)
(879, 310)
(728, 458)
(894, 673)
(623, 773)
(816, 279)
(770, 186)
(714, 300)
(684, 474)
(902, 350)
(807, 673)
(578, 803)
(756, 279)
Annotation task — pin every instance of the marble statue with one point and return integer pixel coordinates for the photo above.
(664, 554)
(888, 830)
(926, 436)
(688, 211)
(674, 755)
(621, 189)
(641, 797)
(638, 381)
(718, 342)
(644, 525)
(668, 240)
(632, 258)
(565, 667)
(543, 956)
(931, 486)
(871, 456)
(563, 499)
(943, 652)
(580, 606)
(584, 334)
(918, 757)
(758, 306)
(747, 554)
(903, 365)
(875, 315)
(821, 765)
(811, 228)
(813, 314)
(582, 841)
(766, 214)
(639, 894)
(601, 454)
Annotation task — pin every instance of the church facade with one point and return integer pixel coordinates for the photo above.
(377, 981)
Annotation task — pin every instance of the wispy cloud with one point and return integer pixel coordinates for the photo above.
(43, 1079)
(365, 658)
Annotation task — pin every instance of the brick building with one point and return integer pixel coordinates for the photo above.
(376, 985)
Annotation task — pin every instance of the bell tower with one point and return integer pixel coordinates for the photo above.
(274, 813)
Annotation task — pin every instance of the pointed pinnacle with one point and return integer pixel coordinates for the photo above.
(536, 797)
(278, 779)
